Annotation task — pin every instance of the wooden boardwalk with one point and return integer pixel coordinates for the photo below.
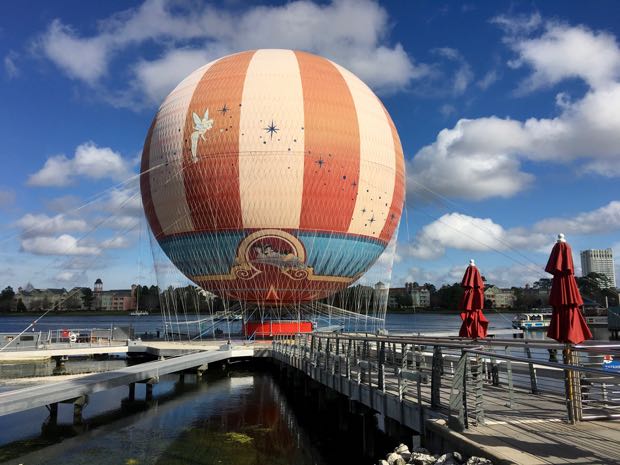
(510, 424)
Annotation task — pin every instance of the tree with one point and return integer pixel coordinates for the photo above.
(448, 296)
(21, 307)
(542, 283)
(593, 285)
(431, 287)
(88, 297)
(404, 300)
(6, 299)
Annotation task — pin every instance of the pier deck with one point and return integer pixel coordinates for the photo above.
(36, 396)
(457, 407)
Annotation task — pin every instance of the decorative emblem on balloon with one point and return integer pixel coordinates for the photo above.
(201, 126)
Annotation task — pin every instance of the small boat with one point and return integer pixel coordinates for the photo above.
(139, 313)
(539, 319)
(596, 320)
(595, 316)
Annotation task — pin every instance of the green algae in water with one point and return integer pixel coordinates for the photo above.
(199, 447)
(239, 437)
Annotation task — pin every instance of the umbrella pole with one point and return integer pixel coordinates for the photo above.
(568, 385)
(572, 387)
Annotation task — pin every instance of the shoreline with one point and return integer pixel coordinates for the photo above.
(443, 311)
(76, 313)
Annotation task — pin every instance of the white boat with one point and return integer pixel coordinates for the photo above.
(139, 313)
(599, 320)
(534, 320)
(542, 319)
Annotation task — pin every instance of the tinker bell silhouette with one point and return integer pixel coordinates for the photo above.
(201, 126)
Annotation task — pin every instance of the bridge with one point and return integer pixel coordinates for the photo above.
(510, 400)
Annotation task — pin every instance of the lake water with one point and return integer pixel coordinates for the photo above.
(242, 418)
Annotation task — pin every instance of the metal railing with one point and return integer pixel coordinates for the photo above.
(472, 382)
(62, 338)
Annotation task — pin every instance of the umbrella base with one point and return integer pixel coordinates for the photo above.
(474, 324)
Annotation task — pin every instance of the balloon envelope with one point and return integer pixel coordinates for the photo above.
(272, 176)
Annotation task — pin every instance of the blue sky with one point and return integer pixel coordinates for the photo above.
(509, 115)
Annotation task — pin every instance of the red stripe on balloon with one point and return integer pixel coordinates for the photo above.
(396, 208)
(145, 184)
(332, 146)
(212, 181)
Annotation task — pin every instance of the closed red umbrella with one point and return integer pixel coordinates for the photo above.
(474, 322)
(567, 322)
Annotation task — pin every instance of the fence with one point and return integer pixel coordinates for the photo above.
(473, 382)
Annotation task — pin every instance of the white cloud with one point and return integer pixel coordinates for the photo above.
(89, 161)
(463, 74)
(80, 58)
(455, 166)
(119, 242)
(464, 232)
(352, 33)
(154, 79)
(124, 202)
(70, 277)
(569, 52)
(518, 25)
(64, 244)
(481, 158)
(602, 220)
(42, 225)
(458, 231)
(122, 222)
(10, 67)
(7, 198)
(488, 79)
(515, 275)
(446, 110)
(63, 203)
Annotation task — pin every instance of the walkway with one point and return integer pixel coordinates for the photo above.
(41, 395)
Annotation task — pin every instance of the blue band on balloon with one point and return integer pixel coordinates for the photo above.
(329, 254)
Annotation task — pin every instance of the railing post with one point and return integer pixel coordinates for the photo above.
(458, 396)
(533, 378)
(420, 408)
(510, 384)
(476, 376)
(381, 368)
(577, 381)
(327, 354)
(437, 370)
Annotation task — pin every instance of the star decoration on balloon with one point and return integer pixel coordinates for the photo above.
(272, 129)
(224, 110)
(320, 162)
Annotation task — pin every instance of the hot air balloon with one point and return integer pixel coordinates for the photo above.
(272, 177)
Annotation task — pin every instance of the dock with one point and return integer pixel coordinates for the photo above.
(38, 396)
(514, 401)
(476, 397)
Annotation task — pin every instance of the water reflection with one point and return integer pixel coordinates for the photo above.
(242, 419)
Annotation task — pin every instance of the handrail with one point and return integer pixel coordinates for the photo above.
(457, 342)
(558, 365)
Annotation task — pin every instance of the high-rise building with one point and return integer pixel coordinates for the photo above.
(599, 261)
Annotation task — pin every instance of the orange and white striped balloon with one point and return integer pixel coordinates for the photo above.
(272, 176)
